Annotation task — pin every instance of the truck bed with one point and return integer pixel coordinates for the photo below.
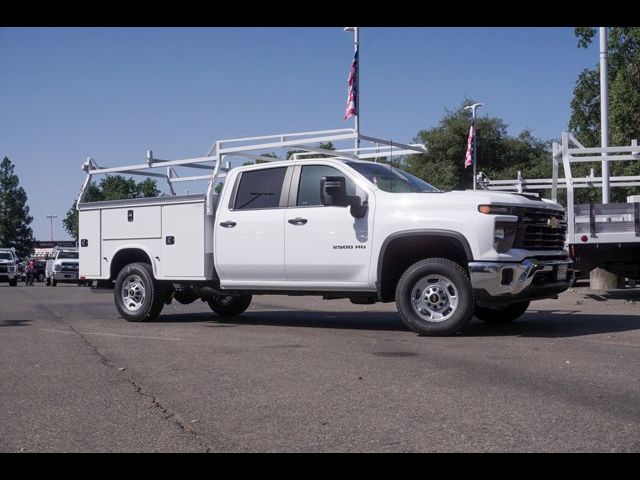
(174, 232)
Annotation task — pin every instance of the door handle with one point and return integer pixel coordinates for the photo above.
(228, 224)
(298, 221)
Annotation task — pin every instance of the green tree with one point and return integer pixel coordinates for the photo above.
(111, 187)
(14, 212)
(624, 104)
(499, 155)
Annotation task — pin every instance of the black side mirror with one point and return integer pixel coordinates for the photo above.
(333, 192)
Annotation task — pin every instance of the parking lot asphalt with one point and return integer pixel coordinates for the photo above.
(303, 374)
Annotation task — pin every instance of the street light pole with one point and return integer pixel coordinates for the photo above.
(475, 136)
(51, 217)
(356, 47)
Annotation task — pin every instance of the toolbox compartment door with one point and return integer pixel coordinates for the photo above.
(89, 244)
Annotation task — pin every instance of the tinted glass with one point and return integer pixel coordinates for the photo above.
(260, 189)
(391, 179)
(6, 256)
(68, 255)
(309, 188)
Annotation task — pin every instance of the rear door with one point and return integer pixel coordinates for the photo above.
(249, 229)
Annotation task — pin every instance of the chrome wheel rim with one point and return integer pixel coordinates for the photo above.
(133, 293)
(434, 298)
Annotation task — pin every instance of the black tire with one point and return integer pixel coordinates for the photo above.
(14, 282)
(440, 281)
(147, 299)
(41, 277)
(231, 305)
(501, 316)
(54, 282)
(47, 282)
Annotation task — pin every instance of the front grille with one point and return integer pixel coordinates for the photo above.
(4, 269)
(537, 229)
(69, 267)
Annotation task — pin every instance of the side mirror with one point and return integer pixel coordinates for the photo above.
(333, 192)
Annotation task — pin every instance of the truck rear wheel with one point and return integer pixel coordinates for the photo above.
(13, 282)
(230, 305)
(434, 297)
(501, 316)
(138, 295)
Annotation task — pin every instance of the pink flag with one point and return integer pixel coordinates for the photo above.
(468, 159)
(352, 96)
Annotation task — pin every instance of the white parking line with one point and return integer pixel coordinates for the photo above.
(109, 334)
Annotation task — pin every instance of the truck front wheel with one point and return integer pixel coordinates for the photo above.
(501, 316)
(434, 297)
(230, 305)
(137, 294)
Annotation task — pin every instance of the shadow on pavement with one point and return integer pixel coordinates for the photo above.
(557, 324)
(538, 323)
(14, 323)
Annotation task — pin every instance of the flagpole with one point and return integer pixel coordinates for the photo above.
(356, 47)
(475, 137)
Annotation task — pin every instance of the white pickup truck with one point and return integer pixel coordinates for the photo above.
(337, 225)
(63, 267)
(9, 266)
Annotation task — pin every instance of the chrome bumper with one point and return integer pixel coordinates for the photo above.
(530, 278)
(65, 275)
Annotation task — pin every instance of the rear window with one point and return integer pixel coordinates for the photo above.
(68, 255)
(260, 189)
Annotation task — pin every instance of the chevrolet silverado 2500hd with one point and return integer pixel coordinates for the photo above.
(337, 225)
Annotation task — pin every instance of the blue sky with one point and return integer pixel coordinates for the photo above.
(113, 93)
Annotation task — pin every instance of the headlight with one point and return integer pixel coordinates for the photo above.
(496, 209)
(503, 236)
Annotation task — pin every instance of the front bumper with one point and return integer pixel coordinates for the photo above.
(65, 276)
(4, 277)
(532, 279)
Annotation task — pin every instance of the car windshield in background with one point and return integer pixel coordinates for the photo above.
(6, 256)
(68, 255)
(391, 179)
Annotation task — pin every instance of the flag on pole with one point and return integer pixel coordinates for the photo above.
(352, 97)
(468, 159)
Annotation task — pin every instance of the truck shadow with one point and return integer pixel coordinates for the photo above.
(537, 323)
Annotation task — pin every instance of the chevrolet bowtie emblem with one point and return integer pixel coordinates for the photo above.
(553, 222)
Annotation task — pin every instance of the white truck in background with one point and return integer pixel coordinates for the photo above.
(9, 266)
(63, 267)
(331, 223)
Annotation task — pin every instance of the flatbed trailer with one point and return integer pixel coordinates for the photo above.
(599, 235)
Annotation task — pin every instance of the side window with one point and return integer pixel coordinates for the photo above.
(309, 188)
(260, 189)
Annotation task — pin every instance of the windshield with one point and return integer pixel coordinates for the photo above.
(391, 179)
(6, 256)
(68, 255)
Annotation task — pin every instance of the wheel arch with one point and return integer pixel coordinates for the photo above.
(126, 255)
(402, 249)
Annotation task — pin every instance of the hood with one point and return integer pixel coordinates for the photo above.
(481, 197)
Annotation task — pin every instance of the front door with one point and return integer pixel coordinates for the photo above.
(325, 246)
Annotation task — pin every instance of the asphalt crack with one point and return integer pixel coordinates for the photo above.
(167, 415)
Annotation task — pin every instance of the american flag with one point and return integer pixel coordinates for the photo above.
(468, 159)
(352, 97)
